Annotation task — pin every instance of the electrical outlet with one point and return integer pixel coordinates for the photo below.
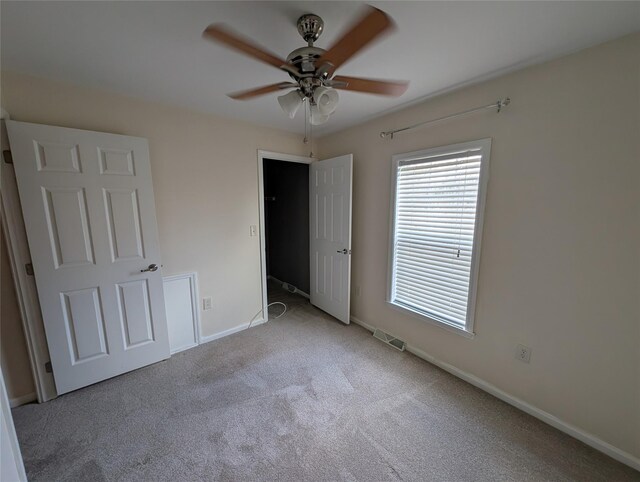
(358, 291)
(206, 303)
(523, 353)
(253, 230)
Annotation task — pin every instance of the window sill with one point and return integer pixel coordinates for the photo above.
(433, 321)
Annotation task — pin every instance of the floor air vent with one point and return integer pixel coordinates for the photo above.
(389, 340)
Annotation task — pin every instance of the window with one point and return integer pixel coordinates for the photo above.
(438, 201)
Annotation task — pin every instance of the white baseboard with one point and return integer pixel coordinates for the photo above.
(28, 398)
(230, 331)
(364, 325)
(183, 348)
(575, 432)
(298, 291)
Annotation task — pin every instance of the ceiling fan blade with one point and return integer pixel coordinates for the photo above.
(222, 34)
(363, 32)
(371, 86)
(249, 94)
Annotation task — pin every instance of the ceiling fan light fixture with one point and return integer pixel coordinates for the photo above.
(317, 117)
(326, 99)
(290, 103)
(312, 68)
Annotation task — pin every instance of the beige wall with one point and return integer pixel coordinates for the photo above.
(205, 180)
(13, 349)
(560, 261)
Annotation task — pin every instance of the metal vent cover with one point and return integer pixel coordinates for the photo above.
(389, 339)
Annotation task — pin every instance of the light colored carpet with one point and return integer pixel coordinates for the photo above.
(300, 398)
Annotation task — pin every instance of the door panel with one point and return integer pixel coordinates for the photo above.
(87, 201)
(55, 157)
(330, 226)
(123, 220)
(117, 162)
(135, 312)
(69, 236)
(85, 324)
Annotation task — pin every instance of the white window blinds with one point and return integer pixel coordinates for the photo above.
(435, 214)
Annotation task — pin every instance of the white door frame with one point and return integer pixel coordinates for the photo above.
(25, 285)
(261, 228)
(11, 464)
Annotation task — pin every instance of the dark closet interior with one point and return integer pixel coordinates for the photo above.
(286, 191)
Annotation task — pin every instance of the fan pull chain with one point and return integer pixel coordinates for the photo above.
(310, 133)
(308, 127)
(306, 116)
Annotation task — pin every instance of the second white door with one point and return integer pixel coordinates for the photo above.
(330, 186)
(89, 212)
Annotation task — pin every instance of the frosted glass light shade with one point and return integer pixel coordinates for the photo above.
(290, 103)
(326, 99)
(317, 117)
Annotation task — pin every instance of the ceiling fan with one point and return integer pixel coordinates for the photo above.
(312, 68)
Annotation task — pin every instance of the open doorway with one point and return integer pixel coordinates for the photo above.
(286, 230)
(318, 196)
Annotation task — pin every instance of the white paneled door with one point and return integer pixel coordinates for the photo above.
(330, 240)
(87, 201)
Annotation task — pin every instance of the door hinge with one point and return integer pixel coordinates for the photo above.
(29, 269)
(48, 368)
(8, 158)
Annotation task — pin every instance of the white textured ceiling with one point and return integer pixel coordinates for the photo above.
(154, 50)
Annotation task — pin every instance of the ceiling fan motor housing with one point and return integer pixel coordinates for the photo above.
(305, 58)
